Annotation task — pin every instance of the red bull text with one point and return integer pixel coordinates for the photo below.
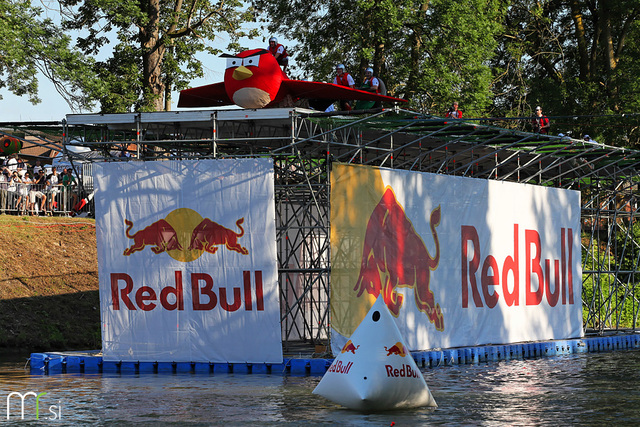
(203, 295)
(538, 278)
(406, 371)
(339, 368)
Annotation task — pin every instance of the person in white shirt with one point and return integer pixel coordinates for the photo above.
(52, 190)
(12, 163)
(3, 189)
(37, 168)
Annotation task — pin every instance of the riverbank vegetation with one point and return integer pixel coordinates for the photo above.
(499, 59)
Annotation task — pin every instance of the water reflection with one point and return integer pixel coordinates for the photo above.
(587, 389)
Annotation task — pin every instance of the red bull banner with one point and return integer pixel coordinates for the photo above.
(187, 261)
(459, 261)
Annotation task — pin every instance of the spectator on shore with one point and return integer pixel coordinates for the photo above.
(4, 180)
(52, 190)
(37, 192)
(37, 168)
(12, 163)
(69, 188)
(24, 202)
(12, 191)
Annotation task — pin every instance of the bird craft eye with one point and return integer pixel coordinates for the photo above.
(251, 61)
(234, 62)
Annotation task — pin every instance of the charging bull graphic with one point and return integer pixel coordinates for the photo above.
(395, 256)
(209, 234)
(161, 235)
(185, 235)
(398, 349)
(349, 346)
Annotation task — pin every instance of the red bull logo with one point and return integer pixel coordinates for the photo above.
(406, 371)
(394, 256)
(349, 347)
(160, 235)
(125, 295)
(488, 279)
(185, 236)
(397, 349)
(338, 367)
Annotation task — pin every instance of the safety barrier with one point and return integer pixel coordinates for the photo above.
(32, 199)
(53, 363)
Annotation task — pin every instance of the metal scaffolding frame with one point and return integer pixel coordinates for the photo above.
(304, 144)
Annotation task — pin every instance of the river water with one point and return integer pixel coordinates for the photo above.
(580, 389)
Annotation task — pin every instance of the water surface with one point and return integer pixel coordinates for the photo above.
(581, 389)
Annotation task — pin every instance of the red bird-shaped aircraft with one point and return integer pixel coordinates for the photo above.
(253, 79)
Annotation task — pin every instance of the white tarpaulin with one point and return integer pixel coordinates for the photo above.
(460, 261)
(187, 261)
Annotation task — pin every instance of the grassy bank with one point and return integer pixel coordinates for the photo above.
(48, 284)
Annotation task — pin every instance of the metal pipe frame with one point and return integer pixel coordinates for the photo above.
(304, 145)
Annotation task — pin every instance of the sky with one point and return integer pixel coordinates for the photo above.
(54, 108)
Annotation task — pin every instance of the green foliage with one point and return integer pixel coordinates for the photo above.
(612, 299)
(30, 44)
(154, 45)
(430, 52)
(576, 58)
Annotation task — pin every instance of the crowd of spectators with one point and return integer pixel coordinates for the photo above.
(37, 190)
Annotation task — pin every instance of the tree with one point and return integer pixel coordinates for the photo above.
(155, 44)
(574, 57)
(30, 45)
(429, 51)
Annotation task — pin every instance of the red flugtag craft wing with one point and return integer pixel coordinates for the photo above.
(253, 79)
(213, 95)
(320, 90)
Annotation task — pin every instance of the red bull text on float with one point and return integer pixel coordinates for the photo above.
(394, 251)
(338, 368)
(406, 371)
(536, 270)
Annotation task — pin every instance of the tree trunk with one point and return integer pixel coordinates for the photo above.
(416, 49)
(152, 56)
(607, 38)
(578, 24)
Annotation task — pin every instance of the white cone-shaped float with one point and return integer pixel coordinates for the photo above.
(375, 371)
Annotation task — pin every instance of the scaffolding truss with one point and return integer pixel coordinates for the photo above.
(304, 144)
